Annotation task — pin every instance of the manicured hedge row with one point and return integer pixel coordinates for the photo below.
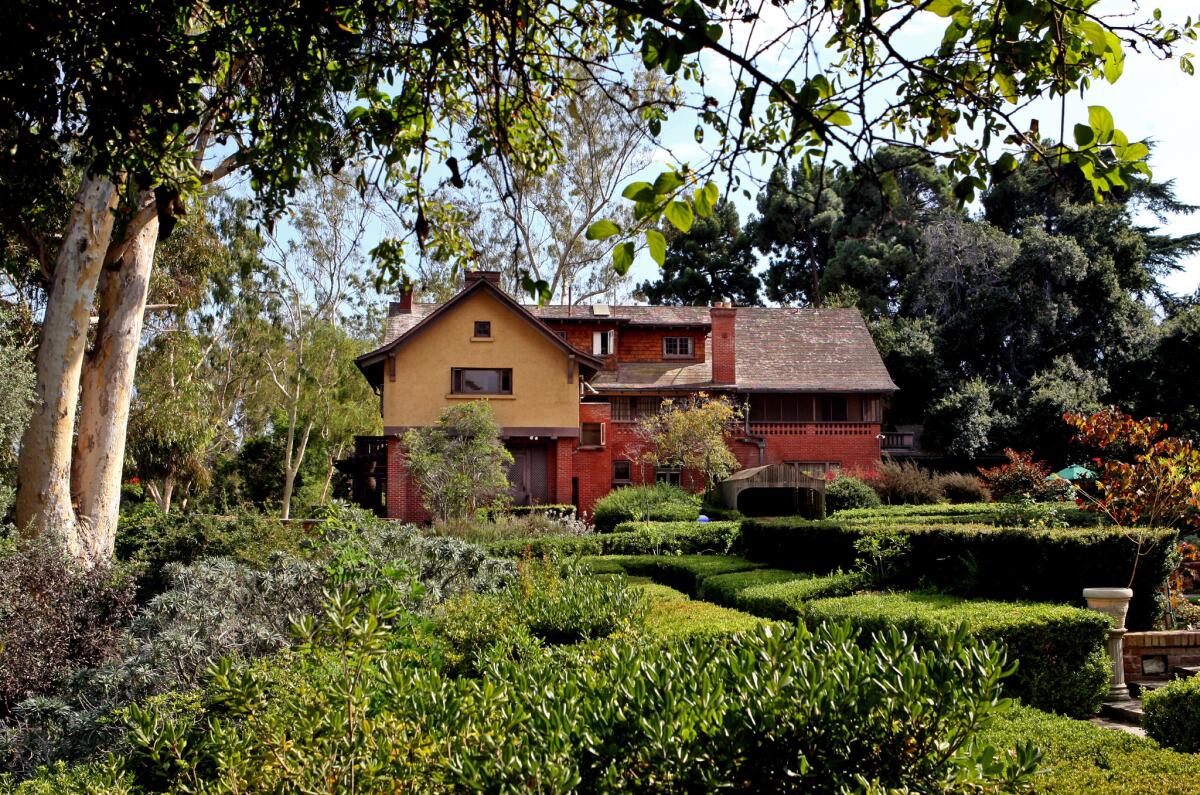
(559, 509)
(633, 538)
(785, 600)
(982, 561)
(1059, 650)
(685, 572)
(673, 615)
(990, 513)
(1173, 715)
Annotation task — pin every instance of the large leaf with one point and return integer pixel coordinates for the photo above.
(623, 258)
(639, 191)
(680, 215)
(657, 244)
(601, 230)
(1101, 121)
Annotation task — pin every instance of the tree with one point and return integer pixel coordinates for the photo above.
(689, 435)
(16, 400)
(459, 463)
(962, 422)
(714, 261)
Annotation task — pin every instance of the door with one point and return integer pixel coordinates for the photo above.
(519, 477)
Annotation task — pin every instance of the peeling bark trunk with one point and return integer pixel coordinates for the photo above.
(44, 467)
(292, 464)
(107, 389)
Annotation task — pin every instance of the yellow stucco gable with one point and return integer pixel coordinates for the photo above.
(541, 395)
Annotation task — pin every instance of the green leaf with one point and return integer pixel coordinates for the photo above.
(1004, 165)
(712, 194)
(701, 204)
(601, 230)
(639, 192)
(838, 117)
(623, 258)
(1008, 87)
(1094, 33)
(944, 8)
(1101, 121)
(658, 245)
(1136, 151)
(667, 182)
(1084, 135)
(680, 215)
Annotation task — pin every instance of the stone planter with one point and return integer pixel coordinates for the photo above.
(1113, 602)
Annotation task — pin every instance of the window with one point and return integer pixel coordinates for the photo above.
(677, 347)
(816, 469)
(781, 408)
(628, 409)
(464, 381)
(483, 328)
(562, 335)
(669, 476)
(831, 408)
(622, 471)
(591, 434)
(621, 408)
(604, 343)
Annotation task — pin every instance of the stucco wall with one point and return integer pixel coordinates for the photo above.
(541, 396)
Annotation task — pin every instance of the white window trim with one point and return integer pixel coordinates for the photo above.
(597, 342)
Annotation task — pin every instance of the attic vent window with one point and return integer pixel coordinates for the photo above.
(483, 328)
(601, 310)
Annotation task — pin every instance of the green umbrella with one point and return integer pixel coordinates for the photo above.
(1073, 473)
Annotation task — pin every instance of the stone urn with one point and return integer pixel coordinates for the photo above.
(1113, 602)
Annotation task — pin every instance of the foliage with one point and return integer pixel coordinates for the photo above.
(846, 492)
(903, 484)
(689, 435)
(17, 380)
(1172, 714)
(961, 488)
(1149, 479)
(55, 616)
(505, 526)
(880, 554)
(1021, 475)
(1059, 651)
(1081, 758)
(568, 606)
(981, 561)
(713, 261)
(963, 421)
(784, 599)
(661, 502)
(685, 572)
(673, 616)
(459, 463)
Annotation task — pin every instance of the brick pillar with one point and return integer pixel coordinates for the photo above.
(724, 343)
(564, 469)
(397, 480)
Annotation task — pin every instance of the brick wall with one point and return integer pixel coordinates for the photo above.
(1151, 655)
(724, 320)
(848, 452)
(403, 495)
(645, 345)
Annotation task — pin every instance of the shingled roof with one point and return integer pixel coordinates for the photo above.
(779, 349)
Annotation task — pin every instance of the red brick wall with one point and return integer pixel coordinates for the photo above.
(849, 452)
(593, 467)
(1167, 650)
(403, 496)
(723, 343)
(646, 345)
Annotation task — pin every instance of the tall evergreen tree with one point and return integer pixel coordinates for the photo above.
(712, 261)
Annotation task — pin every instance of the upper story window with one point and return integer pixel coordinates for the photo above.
(627, 409)
(475, 381)
(591, 434)
(831, 408)
(677, 347)
(483, 328)
(604, 343)
(622, 471)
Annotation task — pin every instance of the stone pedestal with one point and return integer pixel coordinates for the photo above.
(1113, 602)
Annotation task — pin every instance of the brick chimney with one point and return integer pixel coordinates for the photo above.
(404, 305)
(490, 276)
(724, 319)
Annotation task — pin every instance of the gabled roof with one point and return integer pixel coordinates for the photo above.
(402, 328)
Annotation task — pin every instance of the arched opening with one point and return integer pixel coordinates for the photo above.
(781, 501)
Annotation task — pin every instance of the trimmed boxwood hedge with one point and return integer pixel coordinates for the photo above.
(685, 572)
(785, 600)
(1059, 650)
(634, 538)
(971, 512)
(982, 561)
(674, 615)
(1173, 715)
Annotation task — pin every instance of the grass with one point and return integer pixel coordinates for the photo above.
(1080, 758)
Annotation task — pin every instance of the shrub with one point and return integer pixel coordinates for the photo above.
(960, 488)
(660, 502)
(785, 600)
(552, 509)
(55, 616)
(845, 492)
(553, 546)
(1059, 651)
(630, 538)
(1022, 474)
(1173, 714)
(723, 589)
(506, 526)
(1045, 565)
(1080, 758)
(904, 484)
(685, 572)
(672, 615)
(569, 606)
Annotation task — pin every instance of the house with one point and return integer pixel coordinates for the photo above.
(567, 384)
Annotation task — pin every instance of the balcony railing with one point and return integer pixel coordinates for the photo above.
(893, 440)
(814, 428)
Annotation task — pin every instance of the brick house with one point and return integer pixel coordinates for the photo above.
(567, 384)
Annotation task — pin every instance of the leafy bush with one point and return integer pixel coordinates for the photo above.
(1173, 714)
(55, 616)
(506, 526)
(571, 606)
(723, 589)
(904, 484)
(1059, 650)
(845, 492)
(785, 600)
(660, 503)
(1022, 474)
(630, 538)
(1045, 565)
(672, 615)
(1080, 758)
(552, 509)
(685, 572)
(552, 546)
(624, 716)
(991, 513)
(960, 488)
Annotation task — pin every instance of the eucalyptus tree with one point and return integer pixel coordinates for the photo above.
(135, 106)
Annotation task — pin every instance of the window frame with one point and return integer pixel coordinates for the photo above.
(582, 443)
(610, 336)
(672, 477)
(691, 347)
(622, 481)
(482, 325)
(506, 375)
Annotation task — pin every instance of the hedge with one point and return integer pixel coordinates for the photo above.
(1059, 650)
(673, 615)
(972, 512)
(660, 502)
(982, 561)
(785, 600)
(1079, 758)
(634, 538)
(685, 572)
(559, 509)
(1173, 715)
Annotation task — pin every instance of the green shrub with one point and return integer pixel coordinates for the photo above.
(102, 778)
(1173, 714)
(506, 526)
(570, 606)
(785, 600)
(631, 538)
(1059, 650)
(960, 488)
(1029, 563)
(672, 615)
(845, 492)
(685, 572)
(1080, 758)
(547, 546)
(660, 502)
(944, 513)
(903, 484)
(724, 588)
(554, 509)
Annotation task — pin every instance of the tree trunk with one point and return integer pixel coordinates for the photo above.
(44, 466)
(292, 467)
(107, 383)
(167, 491)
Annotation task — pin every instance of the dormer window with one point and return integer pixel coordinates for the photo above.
(483, 329)
(604, 343)
(677, 347)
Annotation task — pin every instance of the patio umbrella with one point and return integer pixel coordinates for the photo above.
(1073, 473)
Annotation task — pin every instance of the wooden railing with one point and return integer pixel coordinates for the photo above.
(814, 428)
(898, 441)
